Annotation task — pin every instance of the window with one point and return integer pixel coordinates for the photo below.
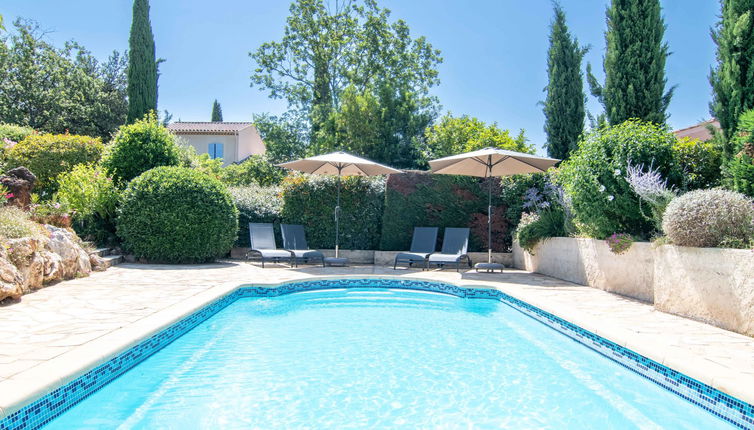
(215, 150)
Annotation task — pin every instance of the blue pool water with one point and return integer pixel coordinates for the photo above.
(379, 359)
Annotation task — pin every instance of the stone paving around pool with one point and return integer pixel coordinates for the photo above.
(53, 335)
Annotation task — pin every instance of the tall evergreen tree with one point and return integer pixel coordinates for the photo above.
(217, 112)
(634, 63)
(733, 78)
(142, 64)
(564, 105)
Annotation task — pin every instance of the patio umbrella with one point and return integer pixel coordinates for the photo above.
(338, 163)
(490, 162)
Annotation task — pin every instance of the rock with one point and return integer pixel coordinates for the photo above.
(53, 267)
(97, 262)
(30, 264)
(10, 278)
(19, 182)
(62, 242)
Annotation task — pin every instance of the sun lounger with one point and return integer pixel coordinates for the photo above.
(422, 244)
(262, 238)
(454, 246)
(294, 240)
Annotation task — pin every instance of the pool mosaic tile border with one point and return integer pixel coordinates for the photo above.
(43, 410)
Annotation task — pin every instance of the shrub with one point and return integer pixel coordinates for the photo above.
(49, 155)
(256, 169)
(50, 212)
(709, 218)
(652, 189)
(255, 204)
(594, 176)
(699, 161)
(15, 224)
(175, 215)
(139, 147)
(310, 200)
(619, 242)
(15, 133)
(739, 170)
(93, 197)
(535, 228)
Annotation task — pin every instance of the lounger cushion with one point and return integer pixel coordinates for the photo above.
(411, 256)
(307, 253)
(445, 258)
(273, 253)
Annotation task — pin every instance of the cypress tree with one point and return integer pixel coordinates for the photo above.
(142, 64)
(564, 105)
(634, 63)
(732, 79)
(217, 112)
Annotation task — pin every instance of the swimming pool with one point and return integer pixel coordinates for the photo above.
(369, 356)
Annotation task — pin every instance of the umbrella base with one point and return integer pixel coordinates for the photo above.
(489, 267)
(332, 261)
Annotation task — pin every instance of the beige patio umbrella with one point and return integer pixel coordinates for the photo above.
(490, 162)
(338, 163)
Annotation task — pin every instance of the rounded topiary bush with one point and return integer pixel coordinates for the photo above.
(139, 147)
(177, 215)
(709, 218)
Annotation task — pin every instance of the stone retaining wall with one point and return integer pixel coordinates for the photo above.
(713, 285)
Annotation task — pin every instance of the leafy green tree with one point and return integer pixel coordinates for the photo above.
(564, 105)
(142, 64)
(732, 79)
(634, 63)
(354, 47)
(285, 137)
(738, 171)
(456, 135)
(217, 112)
(58, 90)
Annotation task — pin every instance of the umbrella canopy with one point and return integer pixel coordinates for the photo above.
(339, 163)
(491, 162)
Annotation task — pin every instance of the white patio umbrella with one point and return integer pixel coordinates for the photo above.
(490, 162)
(338, 163)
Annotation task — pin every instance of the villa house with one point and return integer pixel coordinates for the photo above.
(699, 131)
(231, 141)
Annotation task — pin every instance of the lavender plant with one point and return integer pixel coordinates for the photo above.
(651, 188)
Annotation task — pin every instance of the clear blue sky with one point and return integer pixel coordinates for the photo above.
(494, 50)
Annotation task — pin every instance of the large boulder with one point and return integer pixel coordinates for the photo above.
(19, 182)
(10, 278)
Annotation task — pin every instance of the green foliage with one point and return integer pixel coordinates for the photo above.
(310, 200)
(217, 112)
(513, 190)
(594, 177)
(285, 137)
(93, 197)
(15, 224)
(419, 199)
(700, 163)
(59, 90)
(256, 204)
(256, 169)
(177, 215)
(49, 155)
(564, 105)
(50, 212)
(142, 64)
(139, 147)
(456, 135)
(634, 63)
(738, 172)
(732, 79)
(710, 218)
(327, 49)
(535, 228)
(15, 133)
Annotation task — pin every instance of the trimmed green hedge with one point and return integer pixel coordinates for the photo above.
(177, 215)
(310, 200)
(419, 199)
(256, 204)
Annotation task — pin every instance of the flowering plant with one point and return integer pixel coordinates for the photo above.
(619, 242)
(651, 188)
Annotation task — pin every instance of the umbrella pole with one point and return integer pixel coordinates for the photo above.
(337, 216)
(489, 211)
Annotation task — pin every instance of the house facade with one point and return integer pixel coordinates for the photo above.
(232, 142)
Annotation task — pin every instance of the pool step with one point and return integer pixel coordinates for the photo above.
(102, 252)
(112, 260)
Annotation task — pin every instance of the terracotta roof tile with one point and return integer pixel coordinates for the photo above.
(208, 127)
(698, 131)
